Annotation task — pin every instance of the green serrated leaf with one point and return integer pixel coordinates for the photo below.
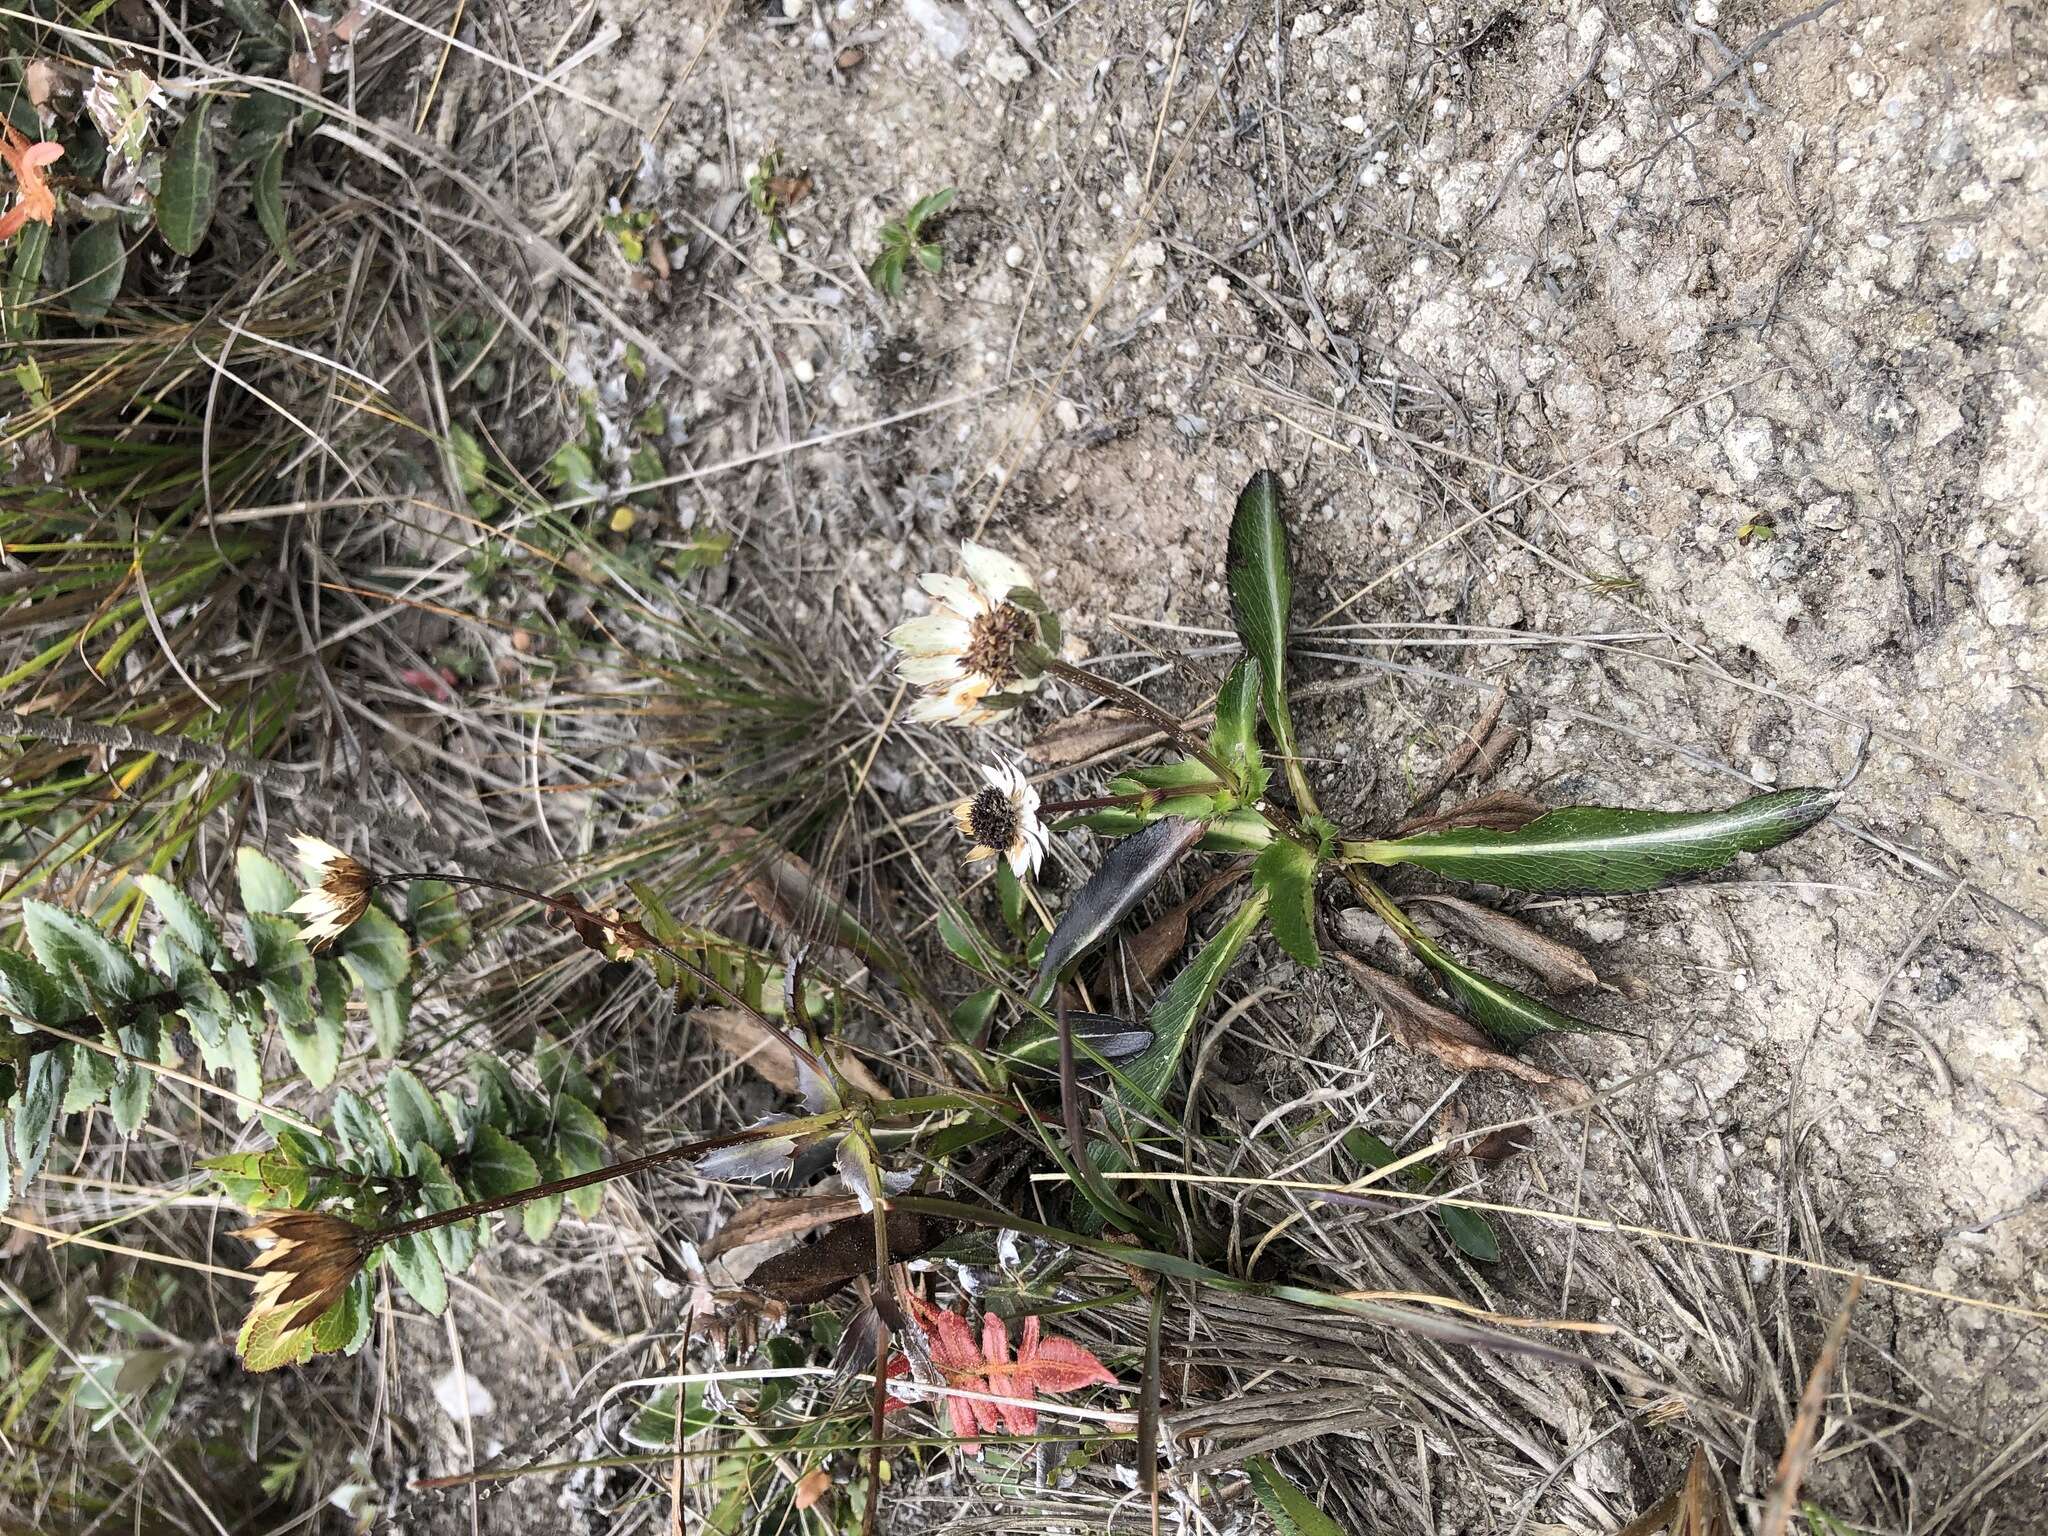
(389, 1011)
(501, 1101)
(578, 1142)
(414, 1115)
(454, 1245)
(35, 1111)
(418, 1269)
(267, 194)
(99, 260)
(376, 950)
(1235, 736)
(128, 1099)
(284, 967)
(247, 1064)
(1286, 872)
(362, 1134)
(1510, 1016)
(184, 917)
(267, 1341)
(191, 183)
(87, 965)
(498, 1165)
(91, 1079)
(538, 1217)
(1606, 849)
(29, 992)
(1292, 1511)
(264, 884)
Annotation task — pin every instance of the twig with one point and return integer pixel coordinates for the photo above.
(1798, 1453)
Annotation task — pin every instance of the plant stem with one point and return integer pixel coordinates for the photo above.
(1138, 704)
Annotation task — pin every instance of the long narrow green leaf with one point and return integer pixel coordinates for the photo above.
(1601, 848)
(1512, 1017)
(1175, 1010)
(1293, 1512)
(1262, 605)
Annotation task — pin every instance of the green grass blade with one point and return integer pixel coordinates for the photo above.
(1605, 849)
(1262, 604)
(1512, 1017)
(1294, 1512)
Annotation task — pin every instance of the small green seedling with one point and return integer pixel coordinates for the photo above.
(904, 241)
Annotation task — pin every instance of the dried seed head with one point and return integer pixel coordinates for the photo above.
(993, 641)
(338, 894)
(308, 1265)
(1002, 819)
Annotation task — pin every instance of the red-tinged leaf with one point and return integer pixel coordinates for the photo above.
(1044, 1367)
(434, 684)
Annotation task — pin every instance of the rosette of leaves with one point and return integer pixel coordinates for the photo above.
(1223, 795)
(90, 1015)
(422, 1151)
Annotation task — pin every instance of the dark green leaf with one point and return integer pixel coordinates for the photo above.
(454, 1245)
(1010, 891)
(559, 1073)
(414, 1115)
(362, 1134)
(1262, 606)
(268, 196)
(500, 1099)
(91, 1079)
(437, 920)
(35, 1112)
(1510, 1016)
(1132, 868)
(129, 1097)
(29, 992)
(376, 950)
(284, 967)
(182, 915)
(498, 1165)
(264, 884)
(1468, 1229)
(971, 1014)
(85, 963)
(964, 939)
(1235, 736)
(1098, 1037)
(418, 1268)
(191, 181)
(1601, 848)
(929, 207)
(578, 1142)
(99, 260)
(1286, 872)
(653, 1428)
(1293, 1512)
(389, 1012)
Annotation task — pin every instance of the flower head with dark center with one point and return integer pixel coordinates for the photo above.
(1003, 819)
(337, 894)
(307, 1266)
(974, 652)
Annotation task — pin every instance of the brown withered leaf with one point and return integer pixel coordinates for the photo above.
(1504, 810)
(796, 898)
(1560, 967)
(1422, 1026)
(1088, 734)
(769, 1219)
(843, 1252)
(744, 1038)
(811, 1487)
(1499, 1146)
(1695, 1508)
(1470, 755)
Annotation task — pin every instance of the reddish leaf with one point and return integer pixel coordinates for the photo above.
(27, 161)
(1044, 1367)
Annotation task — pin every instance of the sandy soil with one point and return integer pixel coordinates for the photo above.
(1679, 372)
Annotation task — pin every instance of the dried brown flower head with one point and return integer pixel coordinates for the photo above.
(338, 894)
(308, 1265)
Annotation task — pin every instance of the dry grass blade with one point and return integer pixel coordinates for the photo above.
(1798, 1452)
(754, 1045)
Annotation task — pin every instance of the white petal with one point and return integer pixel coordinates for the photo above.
(955, 593)
(1027, 800)
(313, 851)
(933, 633)
(923, 668)
(1024, 684)
(1024, 857)
(312, 902)
(937, 708)
(993, 571)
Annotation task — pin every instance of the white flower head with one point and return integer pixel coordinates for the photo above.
(973, 654)
(337, 890)
(1003, 819)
